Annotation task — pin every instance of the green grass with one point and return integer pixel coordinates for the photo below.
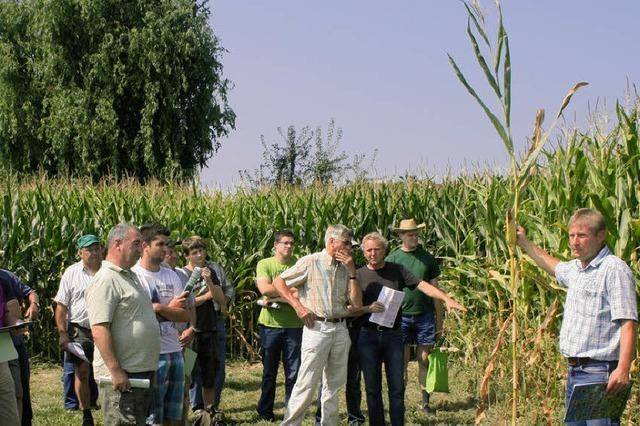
(242, 390)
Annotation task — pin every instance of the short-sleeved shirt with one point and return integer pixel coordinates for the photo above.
(227, 287)
(392, 275)
(322, 283)
(115, 296)
(424, 266)
(285, 316)
(165, 285)
(73, 283)
(6, 294)
(598, 297)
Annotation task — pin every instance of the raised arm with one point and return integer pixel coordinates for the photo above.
(543, 259)
(435, 293)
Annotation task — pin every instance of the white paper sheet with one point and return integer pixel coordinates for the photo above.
(392, 300)
(76, 349)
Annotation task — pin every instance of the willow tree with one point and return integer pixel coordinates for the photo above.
(120, 87)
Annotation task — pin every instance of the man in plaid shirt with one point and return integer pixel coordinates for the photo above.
(599, 327)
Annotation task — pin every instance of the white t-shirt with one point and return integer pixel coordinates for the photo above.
(166, 285)
(71, 293)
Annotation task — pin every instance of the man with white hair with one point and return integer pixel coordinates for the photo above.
(326, 283)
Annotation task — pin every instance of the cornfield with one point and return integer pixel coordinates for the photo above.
(41, 219)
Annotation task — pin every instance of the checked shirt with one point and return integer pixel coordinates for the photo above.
(598, 297)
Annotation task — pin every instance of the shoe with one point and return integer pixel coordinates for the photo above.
(266, 418)
(427, 410)
(356, 423)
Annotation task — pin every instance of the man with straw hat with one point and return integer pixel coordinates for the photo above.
(421, 315)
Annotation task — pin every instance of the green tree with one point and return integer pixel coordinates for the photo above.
(120, 87)
(305, 157)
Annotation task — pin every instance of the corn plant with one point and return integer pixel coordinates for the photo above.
(499, 79)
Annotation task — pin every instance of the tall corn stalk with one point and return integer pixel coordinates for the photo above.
(499, 79)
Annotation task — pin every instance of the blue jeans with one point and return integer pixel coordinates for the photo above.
(376, 347)
(353, 393)
(593, 371)
(195, 392)
(68, 378)
(276, 343)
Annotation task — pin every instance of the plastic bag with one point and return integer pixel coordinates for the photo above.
(438, 373)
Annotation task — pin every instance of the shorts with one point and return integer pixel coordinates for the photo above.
(168, 392)
(207, 361)
(82, 335)
(419, 329)
(14, 366)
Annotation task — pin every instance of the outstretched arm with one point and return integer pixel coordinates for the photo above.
(543, 259)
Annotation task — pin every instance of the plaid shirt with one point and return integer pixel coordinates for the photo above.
(598, 296)
(323, 284)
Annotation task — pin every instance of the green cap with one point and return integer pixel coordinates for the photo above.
(87, 240)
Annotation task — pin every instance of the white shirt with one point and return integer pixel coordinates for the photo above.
(71, 293)
(166, 284)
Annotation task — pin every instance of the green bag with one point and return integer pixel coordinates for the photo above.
(438, 373)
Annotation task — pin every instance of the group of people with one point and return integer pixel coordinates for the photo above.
(128, 321)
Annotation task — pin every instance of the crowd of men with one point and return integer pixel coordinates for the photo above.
(130, 318)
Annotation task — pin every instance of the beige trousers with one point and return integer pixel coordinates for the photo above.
(8, 404)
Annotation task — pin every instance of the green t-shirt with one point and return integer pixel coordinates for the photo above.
(284, 316)
(424, 266)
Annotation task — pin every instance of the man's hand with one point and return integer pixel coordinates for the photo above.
(186, 337)
(375, 308)
(452, 304)
(521, 236)
(206, 274)
(63, 340)
(120, 380)
(306, 316)
(32, 312)
(179, 301)
(346, 259)
(618, 381)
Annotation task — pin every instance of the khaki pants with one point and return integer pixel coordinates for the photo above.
(325, 350)
(8, 404)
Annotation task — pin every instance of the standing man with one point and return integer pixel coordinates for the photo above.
(8, 406)
(280, 328)
(382, 345)
(208, 295)
(72, 320)
(20, 369)
(600, 322)
(326, 284)
(421, 315)
(166, 291)
(124, 328)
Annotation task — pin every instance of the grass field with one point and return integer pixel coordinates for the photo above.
(241, 393)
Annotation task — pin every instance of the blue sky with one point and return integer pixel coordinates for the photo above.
(380, 70)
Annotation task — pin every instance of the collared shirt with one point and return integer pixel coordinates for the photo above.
(599, 296)
(71, 293)
(322, 282)
(115, 296)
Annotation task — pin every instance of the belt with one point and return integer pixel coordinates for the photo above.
(573, 361)
(372, 326)
(334, 320)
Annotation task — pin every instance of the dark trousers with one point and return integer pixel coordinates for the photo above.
(276, 344)
(353, 390)
(376, 347)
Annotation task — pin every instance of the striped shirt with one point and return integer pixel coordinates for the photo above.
(322, 282)
(71, 293)
(598, 297)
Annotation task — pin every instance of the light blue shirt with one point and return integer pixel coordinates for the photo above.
(599, 296)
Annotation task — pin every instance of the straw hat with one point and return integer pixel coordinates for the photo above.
(409, 225)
